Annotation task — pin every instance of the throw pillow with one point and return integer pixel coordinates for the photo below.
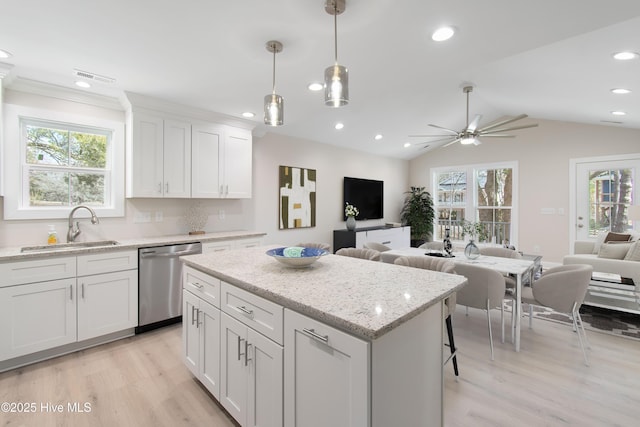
(614, 250)
(633, 254)
(599, 241)
(617, 237)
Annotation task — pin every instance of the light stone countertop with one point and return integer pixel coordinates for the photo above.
(365, 298)
(15, 254)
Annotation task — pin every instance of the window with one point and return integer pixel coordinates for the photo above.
(60, 161)
(490, 201)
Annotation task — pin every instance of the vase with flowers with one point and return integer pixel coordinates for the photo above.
(472, 229)
(351, 212)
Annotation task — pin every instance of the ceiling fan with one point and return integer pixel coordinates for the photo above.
(471, 133)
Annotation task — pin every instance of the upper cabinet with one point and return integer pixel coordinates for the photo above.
(158, 157)
(186, 156)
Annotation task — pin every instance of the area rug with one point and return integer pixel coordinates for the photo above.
(596, 319)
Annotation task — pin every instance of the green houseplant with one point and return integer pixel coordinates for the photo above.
(418, 213)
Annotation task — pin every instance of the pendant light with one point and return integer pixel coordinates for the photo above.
(274, 104)
(336, 77)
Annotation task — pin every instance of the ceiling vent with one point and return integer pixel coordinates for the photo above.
(92, 76)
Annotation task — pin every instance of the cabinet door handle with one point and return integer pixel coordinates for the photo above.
(246, 311)
(159, 187)
(82, 291)
(71, 292)
(166, 186)
(239, 342)
(193, 316)
(221, 189)
(226, 191)
(246, 352)
(313, 334)
(198, 318)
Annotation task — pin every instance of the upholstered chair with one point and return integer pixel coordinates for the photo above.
(370, 254)
(509, 281)
(485, 291)
(444, 266)
(376, 246)
(563, 289)
(325, 246)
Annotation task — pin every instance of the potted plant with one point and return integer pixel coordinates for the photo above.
(418, 213)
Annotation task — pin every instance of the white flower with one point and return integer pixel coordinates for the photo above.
(351, 210)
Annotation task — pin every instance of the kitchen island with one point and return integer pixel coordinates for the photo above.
(343, 342)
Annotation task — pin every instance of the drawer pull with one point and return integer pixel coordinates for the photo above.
(246, 311)
(196, 284)
(313, 334)
(239, 352)
(71, 292)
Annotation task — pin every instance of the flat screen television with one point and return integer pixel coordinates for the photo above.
(365, 194)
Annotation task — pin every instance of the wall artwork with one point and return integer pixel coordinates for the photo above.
(297, 197)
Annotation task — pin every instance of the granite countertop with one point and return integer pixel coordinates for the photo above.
(15, 254)
(365, 298)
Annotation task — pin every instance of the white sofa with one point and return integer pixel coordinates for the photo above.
(584, 254)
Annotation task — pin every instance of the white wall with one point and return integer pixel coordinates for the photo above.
(332, 164)
(543, 155)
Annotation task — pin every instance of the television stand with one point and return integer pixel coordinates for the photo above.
(393, 237)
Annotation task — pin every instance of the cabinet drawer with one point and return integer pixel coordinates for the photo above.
(201, 285)
(38, 270)
(259, 314)
(107, 262)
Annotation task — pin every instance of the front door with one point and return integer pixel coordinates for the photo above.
(602, 191)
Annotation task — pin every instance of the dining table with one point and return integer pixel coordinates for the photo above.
(518, 267)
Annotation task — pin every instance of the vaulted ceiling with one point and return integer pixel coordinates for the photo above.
(549, 59)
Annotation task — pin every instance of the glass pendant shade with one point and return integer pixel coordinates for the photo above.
(468, 140)
(273, 110)
(336, 86)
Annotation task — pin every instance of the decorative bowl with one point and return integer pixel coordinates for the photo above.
(297, 256)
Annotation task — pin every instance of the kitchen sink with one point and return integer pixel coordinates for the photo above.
(63, 246)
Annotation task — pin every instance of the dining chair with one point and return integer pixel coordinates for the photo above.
(509, 281)
(485, 290)
(363, 253)
(443, 266)
(563, 289)
(325, 246)
(376, 246)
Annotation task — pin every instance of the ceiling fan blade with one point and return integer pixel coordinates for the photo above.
(492, 135)
(510, 129)
(447, 129)
(503, 122)
(452, 142)
(430, 136)
(474, 124)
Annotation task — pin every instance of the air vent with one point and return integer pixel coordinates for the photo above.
(92, 76)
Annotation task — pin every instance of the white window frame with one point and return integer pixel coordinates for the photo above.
(471, 203)
(16, 200)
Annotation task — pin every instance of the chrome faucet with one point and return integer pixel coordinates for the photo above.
(73, 232)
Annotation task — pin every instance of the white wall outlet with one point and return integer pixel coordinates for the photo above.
(159, 216)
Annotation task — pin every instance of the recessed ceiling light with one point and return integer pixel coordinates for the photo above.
(407, 145)
(315, 86)
(339, 125)
(83, 84)
(4, 54)
(442, 34)
(248, 114)
(620, 91)
(618, 113)
(378, 137)
(624, 56)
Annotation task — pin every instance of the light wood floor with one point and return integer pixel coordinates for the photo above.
(141, 381)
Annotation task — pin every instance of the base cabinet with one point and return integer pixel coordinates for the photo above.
(201, 340)
(37, 317)
(251, 375)
(326, 375)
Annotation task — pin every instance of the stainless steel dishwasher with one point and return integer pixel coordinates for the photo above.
(160, 284)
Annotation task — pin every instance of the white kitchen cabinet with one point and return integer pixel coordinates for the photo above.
(223, 245)
(158, 157)
(251, 369)
(395, 237)
(37, 316)
(222, 162)
(201, 340)
(326, 375)
(107, 303)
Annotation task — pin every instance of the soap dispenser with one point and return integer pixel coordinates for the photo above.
(53, 236)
